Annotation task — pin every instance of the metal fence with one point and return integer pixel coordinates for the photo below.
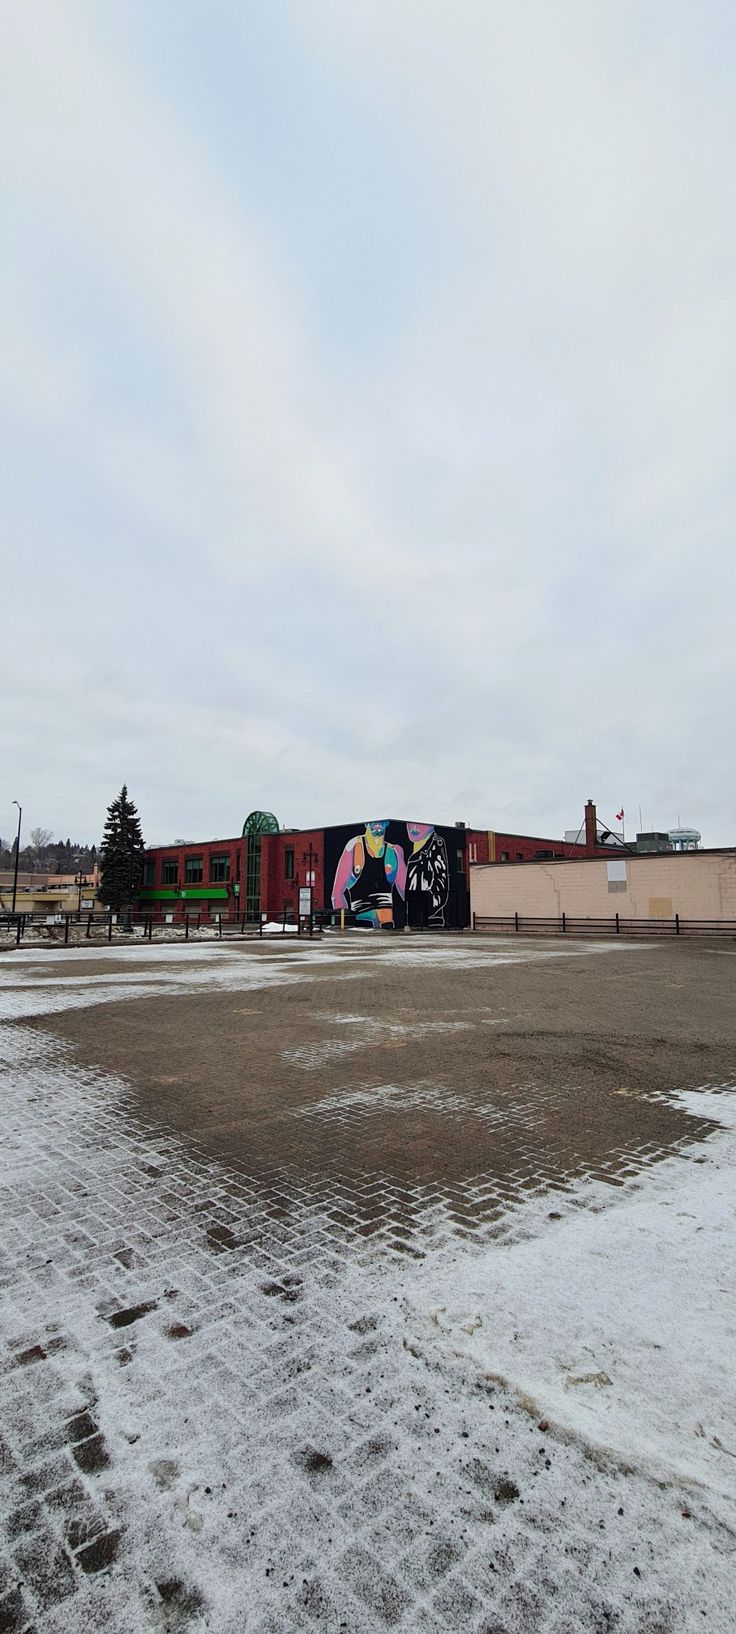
(566, 924)
(66, 928)
(72, 928)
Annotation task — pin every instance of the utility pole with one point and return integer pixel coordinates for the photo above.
(17, 854)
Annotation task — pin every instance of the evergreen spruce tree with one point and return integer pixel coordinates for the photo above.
(121, 853)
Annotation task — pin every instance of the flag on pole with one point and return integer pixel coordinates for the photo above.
(620, 815)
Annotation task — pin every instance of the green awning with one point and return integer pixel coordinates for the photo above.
(186, 893)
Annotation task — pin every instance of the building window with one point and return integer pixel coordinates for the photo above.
(461, 862)
(505, 856)
(472, 851)
(519, 856)
(193, 871)
(289, 863)
(219, 870)
(149, 872)
(170, 871)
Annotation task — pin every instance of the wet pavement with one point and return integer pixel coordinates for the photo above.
(220, 1173)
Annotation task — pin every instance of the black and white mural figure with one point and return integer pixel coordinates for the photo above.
(427, 876)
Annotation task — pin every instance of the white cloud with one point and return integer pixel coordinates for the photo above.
(493, 566)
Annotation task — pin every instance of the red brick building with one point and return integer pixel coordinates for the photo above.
(202, 877)
(211, 877)
(487, 845)
(261, 870)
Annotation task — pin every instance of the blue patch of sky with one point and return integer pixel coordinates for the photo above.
(310, 158)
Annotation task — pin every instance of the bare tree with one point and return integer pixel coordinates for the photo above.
(40, 839)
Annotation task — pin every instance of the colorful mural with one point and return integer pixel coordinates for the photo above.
(366, 875)
(389, 873)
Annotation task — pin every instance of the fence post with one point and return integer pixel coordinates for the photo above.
(516, 921)
(260, 924)
(677, 924)
(564, 922)
(283, 925)
(18, 929)
(66, 930)
(474, 919)
(219, 927)
(89, 925)
(109, 926)
(618, 926)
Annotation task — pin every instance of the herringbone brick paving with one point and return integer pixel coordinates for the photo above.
(216, 1411)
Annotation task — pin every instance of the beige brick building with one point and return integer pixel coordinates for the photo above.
(693, 884)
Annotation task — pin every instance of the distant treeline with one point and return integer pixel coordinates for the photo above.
(44, 855)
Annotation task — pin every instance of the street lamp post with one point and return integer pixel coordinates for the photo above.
(17, 854)
(130, 883)
(80, 881)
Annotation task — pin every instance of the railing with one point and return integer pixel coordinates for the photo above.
(88, 926)
(617, 925)
(72, 928)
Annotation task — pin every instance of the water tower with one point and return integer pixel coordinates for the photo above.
(684, 839)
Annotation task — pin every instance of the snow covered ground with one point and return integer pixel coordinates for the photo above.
(224, 1410)
(617, 1322)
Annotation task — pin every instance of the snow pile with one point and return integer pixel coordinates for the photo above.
(618, 1326)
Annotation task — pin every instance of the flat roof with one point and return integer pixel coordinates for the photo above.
(627, 856)
(179, 845)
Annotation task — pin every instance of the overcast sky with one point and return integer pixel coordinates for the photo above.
(368, 375)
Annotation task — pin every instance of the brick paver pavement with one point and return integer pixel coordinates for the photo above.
(217, 1411)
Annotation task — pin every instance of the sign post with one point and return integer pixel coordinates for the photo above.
(305, 904)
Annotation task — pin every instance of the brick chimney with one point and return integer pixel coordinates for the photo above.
(591, 829)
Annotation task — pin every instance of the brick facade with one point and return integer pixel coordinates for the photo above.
(172, 884)
(489, 845)
(281, 878)
(697, 885)
(162, 894)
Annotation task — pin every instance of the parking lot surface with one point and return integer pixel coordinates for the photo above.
(234, 1180)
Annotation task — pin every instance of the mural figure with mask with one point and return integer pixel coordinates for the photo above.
(427, 877)
(369, 870)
